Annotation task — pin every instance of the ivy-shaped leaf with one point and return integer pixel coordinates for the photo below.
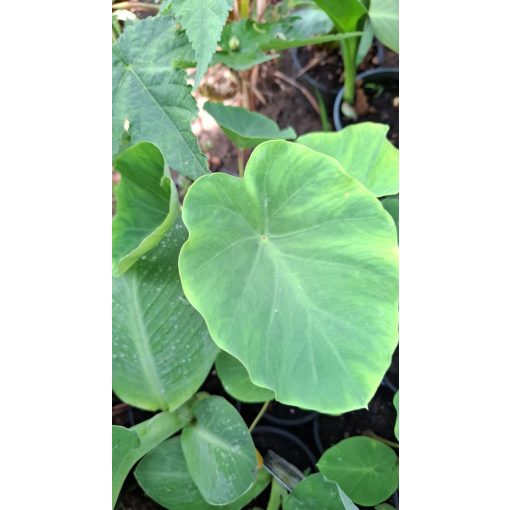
(162, 351)
(364, 152)
(247, 129)
(298, 230)
(366, 469)
(219, 451)
(236, 381)
(147, 205)
(151, 98)
(203, 21)
(164, 477)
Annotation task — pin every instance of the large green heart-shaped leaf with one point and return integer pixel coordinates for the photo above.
(203, 21)
(384, 17)
(395, 403)
(153, 96)
(294, 268)
(130, 445)
(364, 152)
(316, 492)
(164, 476)
(219, 451)
(162, 351)
(236, 381)
(247, 129)
(366, 469)
(147, 205)
(391, 204)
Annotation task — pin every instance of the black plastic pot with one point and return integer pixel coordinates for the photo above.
(288, 416)
(381, 75)
(328, 93)
(286, 445)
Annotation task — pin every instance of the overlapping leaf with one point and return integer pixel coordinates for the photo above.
(164, 476)
(203, 21)
(147, 205)
(364, 152)
(316, 492)
(321, 248)
(236, 381)
(162, 351)
(247, 129)
(345, 14)
(366, 469)
(395, 403)
(150, 96)
(219, 451)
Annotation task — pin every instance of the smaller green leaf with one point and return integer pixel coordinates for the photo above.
(391, 204)
(247, 129)
(311, 21)
(384, 17)
(241, 61)
(395, 403)
(316, 492)
(219, 451)
(203, 21)
(165, 478)
(384, 506)
(364, 152)
(147, 205)
(124, 443)
(283, 44)
(345, 14)
(366, 469)
(366, 42)
(236, 381)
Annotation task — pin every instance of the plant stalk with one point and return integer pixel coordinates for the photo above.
(259, 416)
(275, 497)
(151, 433)
(373, 435)
(244, 9)
(240, 162)
(349, 58)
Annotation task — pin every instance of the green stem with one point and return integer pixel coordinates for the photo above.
(275, 496)
(259, 416)
(373, 435)
(240, 162)
(349, 47)
(151, 433)
(244, 9)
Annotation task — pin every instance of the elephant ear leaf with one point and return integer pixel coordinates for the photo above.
(147, 205)
(151, 100)
(364, 152)
(203, 21)
(299, 230)
(366, 469)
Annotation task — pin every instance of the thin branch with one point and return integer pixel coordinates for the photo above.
(303, 90)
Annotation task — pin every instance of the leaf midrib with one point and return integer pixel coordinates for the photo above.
(142, 347)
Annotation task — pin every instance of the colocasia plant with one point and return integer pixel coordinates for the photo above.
(284, 278)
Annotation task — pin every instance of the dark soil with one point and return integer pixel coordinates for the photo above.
(328, 72)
